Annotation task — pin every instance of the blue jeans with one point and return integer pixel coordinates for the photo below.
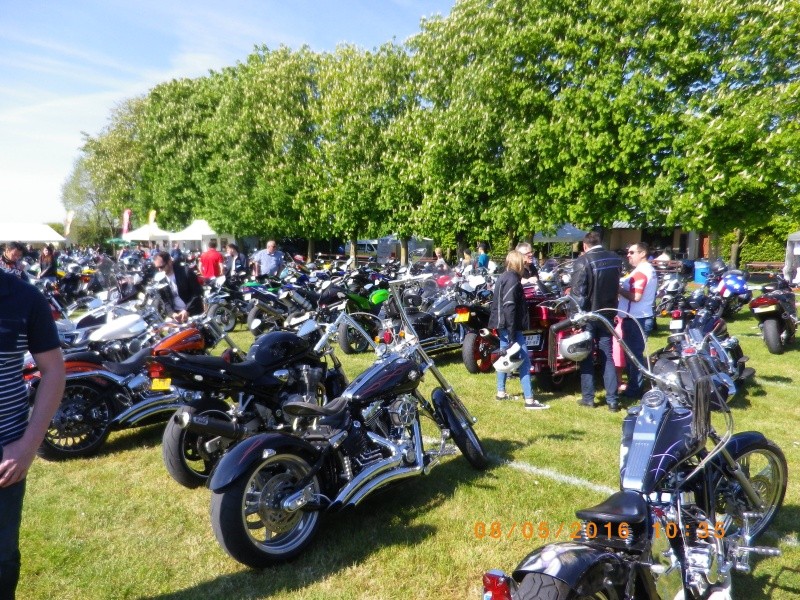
(632, 336)
(524, 368)
(602, 338)
(10, 519)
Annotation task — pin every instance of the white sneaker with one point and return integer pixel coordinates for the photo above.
(535, 405)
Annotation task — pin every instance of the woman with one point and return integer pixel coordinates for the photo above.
(441, 263)
(510, 317)
(47, 263)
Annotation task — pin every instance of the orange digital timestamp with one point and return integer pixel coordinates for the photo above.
(543, 530)
(702, 530)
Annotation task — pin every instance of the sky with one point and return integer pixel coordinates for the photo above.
(64, 66)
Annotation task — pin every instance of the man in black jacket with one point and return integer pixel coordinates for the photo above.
(595, 284)
(186, 292)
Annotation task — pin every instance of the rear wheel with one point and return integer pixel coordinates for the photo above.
(259, 321)
(591, 586)
(224, 315)
(772, 336)
(248, 520)
(81, 423)
(764, 466)
(476, 351)
(547, 382)
(350, 340)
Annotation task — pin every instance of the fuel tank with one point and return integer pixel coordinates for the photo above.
(392, 376)
(276, 348)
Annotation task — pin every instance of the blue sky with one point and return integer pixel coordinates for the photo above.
(64, 65)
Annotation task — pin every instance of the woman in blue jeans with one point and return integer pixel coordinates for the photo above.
(510, 317)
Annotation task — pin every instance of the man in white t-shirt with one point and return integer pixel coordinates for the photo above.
(637, 295)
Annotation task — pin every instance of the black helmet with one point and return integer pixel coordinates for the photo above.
(718, 267)
(697, 300)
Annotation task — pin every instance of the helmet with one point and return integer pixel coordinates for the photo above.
(697, 300)
(576, 347)
(412, 299)
(509, 359)
(673, 286)
(718, 267)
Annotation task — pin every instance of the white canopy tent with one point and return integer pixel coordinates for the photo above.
(199, 231)
(149, 232)
(31, 233)
(791, 267)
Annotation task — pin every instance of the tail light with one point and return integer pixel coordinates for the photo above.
(495, 586)
(387, 337)
(462, 311)
(156, 370)
(677, 314)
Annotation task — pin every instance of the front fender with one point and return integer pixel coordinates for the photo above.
(241, 457)
(566, 561)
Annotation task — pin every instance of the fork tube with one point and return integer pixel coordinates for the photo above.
(752, 495)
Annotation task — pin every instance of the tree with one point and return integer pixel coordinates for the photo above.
(93, 220)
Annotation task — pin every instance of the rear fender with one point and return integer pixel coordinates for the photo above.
(243, 455)
(570, 562)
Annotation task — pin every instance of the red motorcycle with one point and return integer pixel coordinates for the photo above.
(102, 396)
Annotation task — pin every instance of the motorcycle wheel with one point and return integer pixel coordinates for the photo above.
(589, 587)
(464, 437)
(547, 382)
(80, 425)
(765, 467)
(183, 451)
(247, 519)
(476, 352)
(772, 336)
(224, 315)
(268, 322)
(350, 341)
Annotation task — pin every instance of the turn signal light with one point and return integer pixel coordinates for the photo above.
(495, 586)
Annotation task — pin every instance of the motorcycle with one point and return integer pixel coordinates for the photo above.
(730, 286)
(686, 515)
(776, 311)
(269, 491)
(101, 396)
(280, 366)
(226, 301)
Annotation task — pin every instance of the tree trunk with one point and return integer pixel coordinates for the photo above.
(736, 247)
(403, 251)
(310, 251)
(353, 244)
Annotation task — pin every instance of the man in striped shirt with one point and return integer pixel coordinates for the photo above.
(26, 324)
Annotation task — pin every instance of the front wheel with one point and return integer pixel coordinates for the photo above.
(476, 352)
(764, 466)
(248, 520)
(772, 336)
(81, 423)
(187, 457)
(350, 340)
(260, 321)
(464, 436)
(224, 315)
(592, 586)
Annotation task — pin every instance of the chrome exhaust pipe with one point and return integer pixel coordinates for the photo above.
(210, 426)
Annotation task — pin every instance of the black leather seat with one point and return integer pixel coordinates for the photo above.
(248, 369)
(297, 408)
(130, 365)
(620, 507)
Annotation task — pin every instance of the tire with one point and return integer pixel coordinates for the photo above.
(464, 437)
(350, 341)
(547, 382)
(765, 467)
(772, 336)
(476, 352)
(81, 423)
(224, 315)
(589, 587)
(268, 321)
(184, 453)
(246, 521)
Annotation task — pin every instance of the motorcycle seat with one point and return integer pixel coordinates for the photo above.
(132, 364)
(298, 408)
(620, 507)
(248, 369)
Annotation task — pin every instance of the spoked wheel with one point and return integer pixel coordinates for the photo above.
(80, 425)
(266, 321)
(248, 520)
(186, 454)
(764, 465)
(476, 352)
(350, 340)
(224, 315)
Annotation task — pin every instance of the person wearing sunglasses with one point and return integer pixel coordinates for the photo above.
(186, 293)
(637, 296)
(595, 284)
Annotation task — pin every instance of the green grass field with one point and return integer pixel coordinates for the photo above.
(117, 526)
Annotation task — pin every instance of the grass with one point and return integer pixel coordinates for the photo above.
(117, 526)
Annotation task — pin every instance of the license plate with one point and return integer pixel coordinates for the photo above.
(763, 309)
(160, 385)
(676, 325)
(247, 297)
(462, 317)
(533, 340)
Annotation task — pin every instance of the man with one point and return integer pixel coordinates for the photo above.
(186, 294)
(595, 283)
(269, 261)
(11, 261)
(638, 294)
(211, 262)
(237, 262)
(176, 254)
(483, 259)
(27, 325)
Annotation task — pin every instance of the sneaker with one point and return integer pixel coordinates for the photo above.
(613, 407)
(535, 405)
(504, 396)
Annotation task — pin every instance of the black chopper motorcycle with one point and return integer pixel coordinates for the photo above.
(281, 366)
(269, 491)
(776, 311)
(686, 514)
